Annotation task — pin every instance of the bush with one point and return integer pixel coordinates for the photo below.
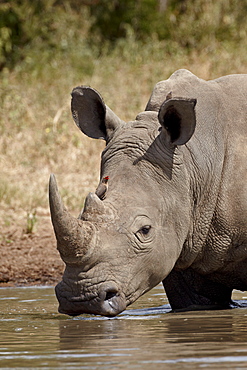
(21, 22)
(189, 23)
(111, 20)
(37, 31)
(11, 33)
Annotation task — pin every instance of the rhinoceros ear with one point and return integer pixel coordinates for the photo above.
(177, 116)
(91, 114)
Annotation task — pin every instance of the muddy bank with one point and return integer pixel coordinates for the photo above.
(29, 259)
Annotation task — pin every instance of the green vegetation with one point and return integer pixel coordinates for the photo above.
(31, 222)
(47, 47)
(187, 23)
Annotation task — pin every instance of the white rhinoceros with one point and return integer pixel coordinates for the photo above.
(171, 204)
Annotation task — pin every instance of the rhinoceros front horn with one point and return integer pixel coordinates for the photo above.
(74, 236)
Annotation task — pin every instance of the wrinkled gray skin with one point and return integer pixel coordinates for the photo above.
(176, 205)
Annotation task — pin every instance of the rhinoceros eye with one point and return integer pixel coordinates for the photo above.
(143, 233)
(145, 230)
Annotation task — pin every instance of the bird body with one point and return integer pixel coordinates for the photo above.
(102, 188)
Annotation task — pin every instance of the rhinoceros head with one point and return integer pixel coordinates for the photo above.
(132, 229)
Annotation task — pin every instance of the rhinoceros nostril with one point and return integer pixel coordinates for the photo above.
(107, 292)
(110, 295)
(110, 291)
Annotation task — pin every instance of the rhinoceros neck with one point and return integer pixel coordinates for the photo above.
(204, 159)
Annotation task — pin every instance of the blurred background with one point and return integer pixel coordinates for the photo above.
(121, 48)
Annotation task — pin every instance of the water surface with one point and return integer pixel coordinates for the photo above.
(147, 336)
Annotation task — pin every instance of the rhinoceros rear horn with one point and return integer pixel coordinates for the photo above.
(91, 114)
(74, 236)
(93, 205)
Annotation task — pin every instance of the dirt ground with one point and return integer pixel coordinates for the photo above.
(29, 258)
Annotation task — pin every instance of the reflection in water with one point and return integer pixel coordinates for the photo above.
(33, 334)
(190, 338)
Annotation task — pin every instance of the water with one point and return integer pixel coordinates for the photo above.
(33, 335)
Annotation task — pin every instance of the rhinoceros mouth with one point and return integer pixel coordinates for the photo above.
(110, 307)
(109, 304)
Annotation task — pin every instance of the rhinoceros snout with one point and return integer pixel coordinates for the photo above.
(107, 302)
